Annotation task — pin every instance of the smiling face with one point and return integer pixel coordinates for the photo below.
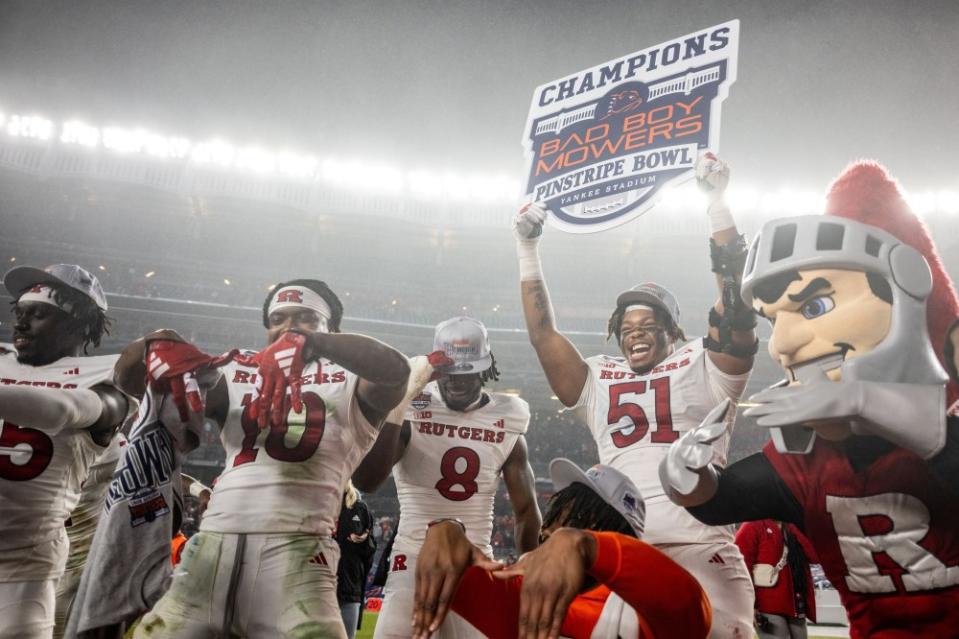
(459, 391)
(822, 318)
(825, 315)
(644, 340)
(42, 333)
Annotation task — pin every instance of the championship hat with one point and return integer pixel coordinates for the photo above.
(20, 278)
(651, 294)
(465, 341)
(615, 488)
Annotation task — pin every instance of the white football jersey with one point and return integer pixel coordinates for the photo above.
(289, 479)
(452, 464)
(41, 474)
(634, 418)
(82, 523)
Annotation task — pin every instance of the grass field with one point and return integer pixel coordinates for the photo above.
(369, 622)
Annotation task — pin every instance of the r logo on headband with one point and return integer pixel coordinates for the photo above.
(290, 295)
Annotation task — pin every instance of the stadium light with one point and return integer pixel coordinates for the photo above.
(421, 183)
(76, 132)
(30, 126)
(256, 159)
(215, 152)
(149, 274)
(948, 202)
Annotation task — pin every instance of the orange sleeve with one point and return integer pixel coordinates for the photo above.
(177, 547)
(669, 601)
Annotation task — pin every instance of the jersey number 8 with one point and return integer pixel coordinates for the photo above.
(453, 478)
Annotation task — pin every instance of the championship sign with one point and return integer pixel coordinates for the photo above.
(603, 142)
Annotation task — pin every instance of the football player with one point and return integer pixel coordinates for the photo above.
(295, 420)
(863, 458)
(636, 405)
(59, 410)
(455, 442)
(591, 577)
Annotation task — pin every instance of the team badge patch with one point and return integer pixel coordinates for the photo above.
(421, 401)
(602, 143)
(146, 507)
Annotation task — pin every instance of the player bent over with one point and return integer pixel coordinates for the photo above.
(264, 562)
(454, 443)
(636, 405)
(59, 410)
(863, 457)
(591, 577)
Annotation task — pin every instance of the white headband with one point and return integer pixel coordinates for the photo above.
(638, 307)
(43, 294)
(302, 297)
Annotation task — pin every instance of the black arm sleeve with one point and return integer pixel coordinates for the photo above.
(945, 465)
(750, 490)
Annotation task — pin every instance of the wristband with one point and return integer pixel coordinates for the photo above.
(442, 519)
(530, 268)
(720, 218)
(196, 488)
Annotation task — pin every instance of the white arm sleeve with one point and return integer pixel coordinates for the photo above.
(723, 385)
(49, 410)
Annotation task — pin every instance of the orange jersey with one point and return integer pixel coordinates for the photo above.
(667, 600)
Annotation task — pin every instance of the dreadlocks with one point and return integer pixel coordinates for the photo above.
(584, 509)
(86, 319)
(491, 374)
(317, 286)
(616, 321)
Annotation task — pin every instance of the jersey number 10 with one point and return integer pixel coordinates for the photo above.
(275, 444)
(664, 433)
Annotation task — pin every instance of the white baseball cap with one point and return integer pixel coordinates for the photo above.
(465, 341)
(20, 278)
(614, 487)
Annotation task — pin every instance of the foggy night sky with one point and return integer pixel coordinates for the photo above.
(448, 84)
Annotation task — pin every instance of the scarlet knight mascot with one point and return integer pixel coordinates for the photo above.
(863, 457)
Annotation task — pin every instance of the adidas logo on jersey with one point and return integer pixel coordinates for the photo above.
(72, 371)
(319, 559)
(716, 559)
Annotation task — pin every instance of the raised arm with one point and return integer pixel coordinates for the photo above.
(382, 369)
(566, 370)
(521, 487)
(732, 340)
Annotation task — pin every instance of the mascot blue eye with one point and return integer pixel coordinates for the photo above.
(817, 307)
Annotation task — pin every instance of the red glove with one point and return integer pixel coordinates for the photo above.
(171, 368)
(279, 366)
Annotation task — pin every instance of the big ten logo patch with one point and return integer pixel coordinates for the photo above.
(398, 563)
